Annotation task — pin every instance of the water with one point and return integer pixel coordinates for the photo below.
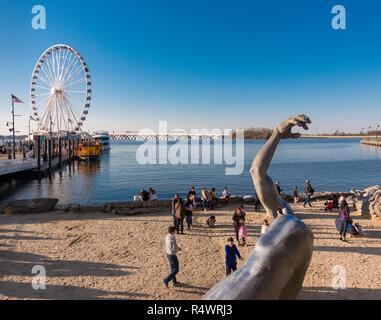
(330, 164)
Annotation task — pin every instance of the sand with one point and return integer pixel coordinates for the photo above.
(103, 256)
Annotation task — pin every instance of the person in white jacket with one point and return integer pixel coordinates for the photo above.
(171, 249)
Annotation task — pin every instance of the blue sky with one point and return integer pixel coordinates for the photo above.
(205, 64)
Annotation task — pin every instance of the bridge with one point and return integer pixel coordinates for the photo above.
(171, 136)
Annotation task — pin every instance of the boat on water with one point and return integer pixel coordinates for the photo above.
(104, 138)
(90, 150)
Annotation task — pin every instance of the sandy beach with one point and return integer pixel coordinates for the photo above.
(103, 256)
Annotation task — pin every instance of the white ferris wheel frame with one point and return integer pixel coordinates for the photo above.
(57, 74)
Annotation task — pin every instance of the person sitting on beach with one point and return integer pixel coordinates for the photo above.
(144, 195)
(358, 228)
(265, 227)
(226, 195)
(192, 195)
(352, 230)
(152, 193)
(335, 201)
(211, 221)
(232, 253)
(188, 204)
(341, 199)
(328, 206)
(279, 212)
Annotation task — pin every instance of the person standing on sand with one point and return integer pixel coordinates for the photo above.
(231, 256)
(277, 184)
(212, 193)
(265, 227)
(174, 201)
(343, 219)
(205, 197)
(296, 194)
(188, 204)
(180, 215)
(238, 215)
(309, 191)
(171, 249)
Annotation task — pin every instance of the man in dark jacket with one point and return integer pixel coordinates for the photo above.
(174, 201)
(308, 190)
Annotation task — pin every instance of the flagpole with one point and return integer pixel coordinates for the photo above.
(29, 134)
(13, 129)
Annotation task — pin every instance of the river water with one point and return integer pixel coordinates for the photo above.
(330, 164)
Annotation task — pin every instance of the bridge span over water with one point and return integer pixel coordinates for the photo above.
(172, 136)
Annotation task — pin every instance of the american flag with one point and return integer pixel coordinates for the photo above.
(17, 100)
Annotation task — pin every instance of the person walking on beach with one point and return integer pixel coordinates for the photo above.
(343, 219)
(309, 191)
(171, 249)
(296, 194)
(231, 256)
(188, 204)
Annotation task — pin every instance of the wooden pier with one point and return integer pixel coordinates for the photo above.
(376, 142)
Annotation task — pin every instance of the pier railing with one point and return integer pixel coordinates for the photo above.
(372, 141)
(16, 165)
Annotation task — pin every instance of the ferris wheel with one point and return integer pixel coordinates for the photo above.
(60, 90)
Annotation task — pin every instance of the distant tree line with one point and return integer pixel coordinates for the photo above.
(256, 133)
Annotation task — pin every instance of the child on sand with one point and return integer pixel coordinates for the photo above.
(211, 221)
(296, 194)
(265, 227)
(231, 256)
(242, 232)
(358, 228)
